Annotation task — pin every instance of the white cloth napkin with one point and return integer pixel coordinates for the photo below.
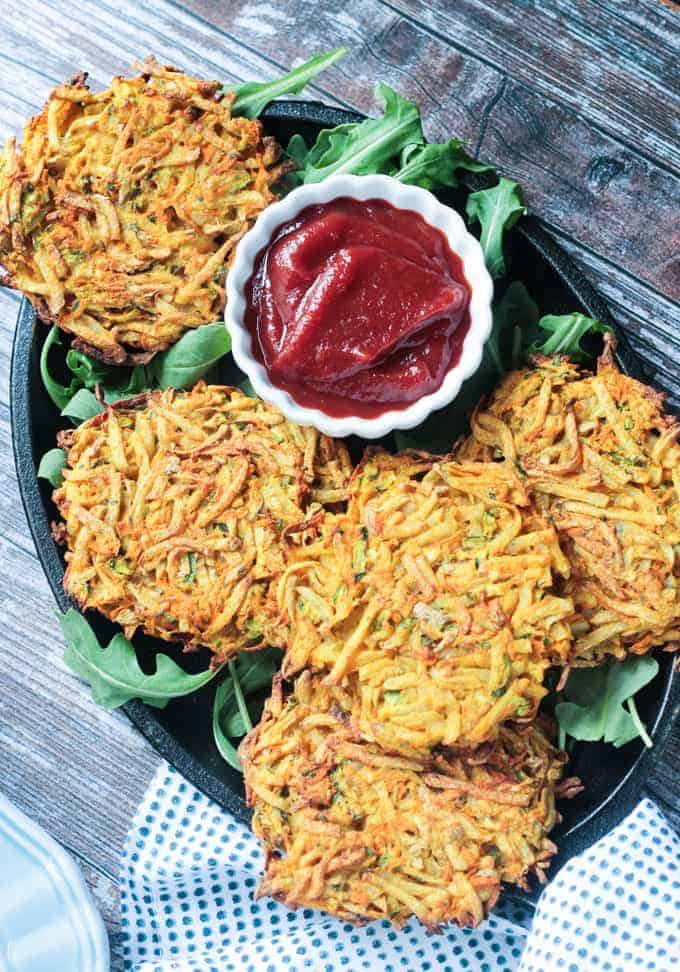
(189, 872)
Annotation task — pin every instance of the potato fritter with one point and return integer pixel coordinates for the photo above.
(362, 834)
(431, 599)
(120, 211)
(602, 460)
(175, 505)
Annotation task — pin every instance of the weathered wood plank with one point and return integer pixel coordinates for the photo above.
(72, 767)
(457, 87)
(618, 73)
(587, 185)
(658, 18)
(452, 92)
(104, 891)
(649, 320)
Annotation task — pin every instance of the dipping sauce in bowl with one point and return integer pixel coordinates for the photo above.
(356, 307)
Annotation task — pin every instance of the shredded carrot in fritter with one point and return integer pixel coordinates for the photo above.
(432, 597)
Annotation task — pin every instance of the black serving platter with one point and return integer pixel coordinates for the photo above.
(615, 779)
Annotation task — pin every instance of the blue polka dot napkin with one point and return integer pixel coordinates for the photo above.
(189, 872)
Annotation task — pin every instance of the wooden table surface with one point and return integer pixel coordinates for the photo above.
(576, 99)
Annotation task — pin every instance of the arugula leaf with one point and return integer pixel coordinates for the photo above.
(254, 96)
(113, 672)
(435, 165)
(51, 467)
(88, 371)
(595, 697)
(138, 381)
(365, 147)
(82, 406)
(298, 151)
(566, 332)
(516, 310)
(246, 387)
(249, 673)
(256, 669)
(496, 209)
(191, 357)
(233, 724)
(60, 394)
(226, 748)
(92, 373)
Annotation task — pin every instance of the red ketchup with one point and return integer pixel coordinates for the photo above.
(357, 308)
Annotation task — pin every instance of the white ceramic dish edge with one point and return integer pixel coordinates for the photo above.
(48, 864)
(402, 196)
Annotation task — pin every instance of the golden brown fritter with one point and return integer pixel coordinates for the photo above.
(430, 600)
(363, 835)
(120, 211)
(175, 505)
(602, 460)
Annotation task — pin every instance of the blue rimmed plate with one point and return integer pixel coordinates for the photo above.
(48, 922)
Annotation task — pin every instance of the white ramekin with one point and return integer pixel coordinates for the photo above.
(403, 197)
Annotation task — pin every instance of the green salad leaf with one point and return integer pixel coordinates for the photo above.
(434, 165)
(180, 366)
(224, 696)
(248, 673)
(114, 673)
(518, 311)
(566, 332)
(361, 148)
(82, 406)
(87, 371)
(191, 357)
(92, 374)
(254, 96)
(88, 375)
(496, 210)
(60, 394)
(51, 467)
(137, 381)
(595, 698)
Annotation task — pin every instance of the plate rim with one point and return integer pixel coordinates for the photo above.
(67, 881)
(632, 785)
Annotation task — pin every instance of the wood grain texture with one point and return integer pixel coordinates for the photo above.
(588, 186)
(589, 181)
(616, 70)
(578, 101)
